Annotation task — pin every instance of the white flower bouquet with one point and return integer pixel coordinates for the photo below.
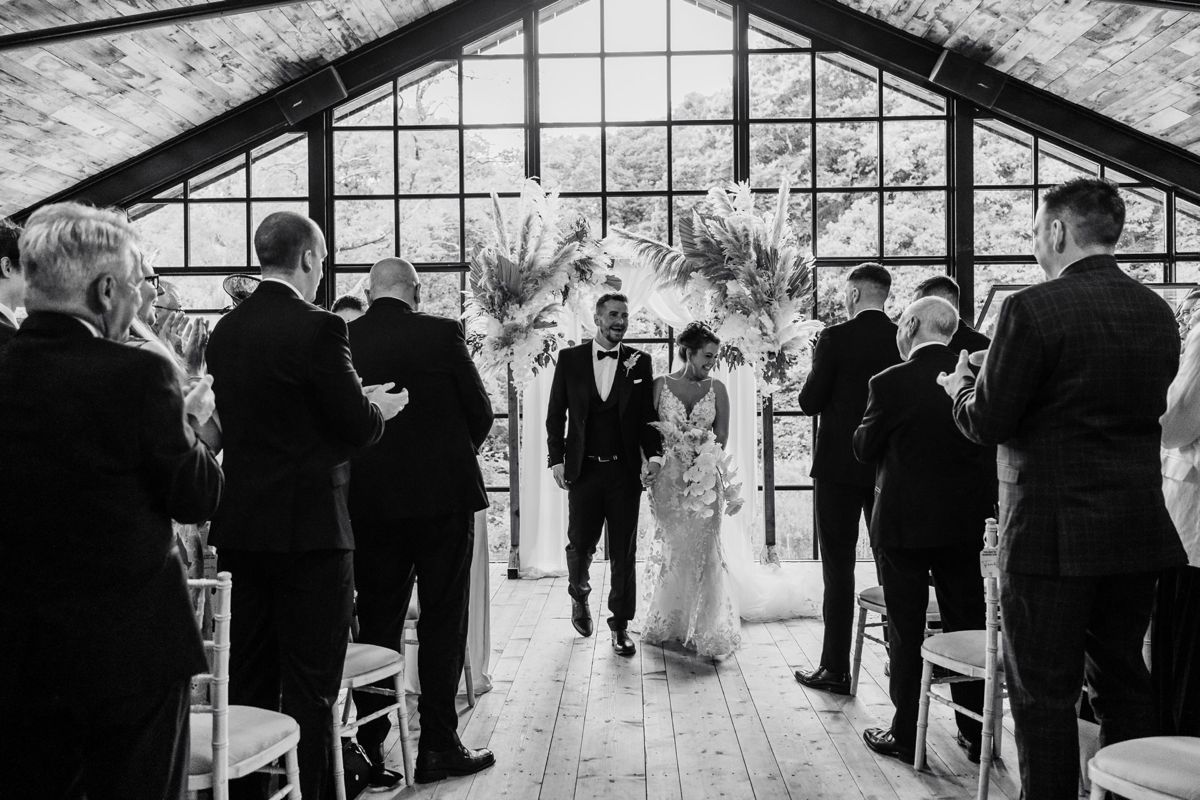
(708, 471)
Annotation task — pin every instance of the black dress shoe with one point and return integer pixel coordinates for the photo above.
(435, 765)
(622, 644)
(883, 742)
(825, 681)
(972, 747)
(581, 617)
(380, 777)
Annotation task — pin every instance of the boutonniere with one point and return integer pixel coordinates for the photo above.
(631, 362)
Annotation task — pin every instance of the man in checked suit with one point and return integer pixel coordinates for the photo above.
(1072, 390)
(846, 357)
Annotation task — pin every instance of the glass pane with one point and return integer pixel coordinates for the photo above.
(427, 162)
(1003, 154)
(170, 193)
(904, 284)
(351, 284)
(198, 293)
(637, 158)
(777, 150)
(793, 524)
(1146, 272)
(569, 28)
(846, 87)
(702, 156)
(914, 223)
(569, 89)
(989, 275)
(431, 96)
(793, 450)
(635, 25)
(441, 295)
(767, 35)
(799, 219)
(1145, 222)
(587, 207)
(644, 215)
(362, 162)
(280, 169)
(914, 153)
(1004, 222)
(480, 224)
(635, 88)
(701, 25)
(373, 108)
(493, 91)
(1187, 226)
(227, 180)
(160, 226)
(903, 99)
(507, 42)
(1057, 164)
(848, 224)
(217, 234)
(261, 210)
(364, 230)
(494, 160)
(429, 230)
(497, 526)
(780, 85)
(701, 87)
(847, 154)
(831, 301)
(493, 455)
(571, 159)
(1113, 175)
(1187, 271)
(681, 206)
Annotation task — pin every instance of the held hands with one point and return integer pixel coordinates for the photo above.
(650, 472)
(390, 404)
(962, 376)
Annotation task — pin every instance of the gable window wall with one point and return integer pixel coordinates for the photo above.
(632, 109)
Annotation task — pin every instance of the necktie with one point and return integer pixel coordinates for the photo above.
(603, 354)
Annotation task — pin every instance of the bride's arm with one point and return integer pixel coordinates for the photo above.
(721, 423)
(658, 387)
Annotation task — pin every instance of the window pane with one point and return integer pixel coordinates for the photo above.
(1004, 222)
(362, 162)
(1187, 271)
(569, 89)
(847, 154)
(846, 87)
(479, 223)
(767, 35)
(569, 28)
(1145, 227)
(989, 275)
(914, 153)
(427, 162)
(793, 450)
(587, 207)
(700, 25)
(1113, 175)
(280, 169)
(217, 234)
(571, 159)
(904, 284)
(800, 215)
(793, 524)
(160, 226)
(507, 42)
(1056, 164)
(777, 150)
(1146, 272)
(493, 455)
(351, 284)
(635, 88)
(644, 215)
(903, 99)
(433, 98)
(493, 91)
(702, 87)
(441, 295)
(702, 156)
(429, 230)
(635, 25)
(261, 210)
(848, 224)
(373, 108)
(780, 85)
(199, 292)
(681, 206)
(830, 285)
(494, 160)
(365, 230)
(914, 223)
(227, 180)
(1187, 226)
(637, 158)
(1003, 154)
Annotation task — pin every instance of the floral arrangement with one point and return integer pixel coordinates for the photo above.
(750, 269)
(708, 471)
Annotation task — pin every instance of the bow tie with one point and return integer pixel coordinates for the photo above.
(603, 354)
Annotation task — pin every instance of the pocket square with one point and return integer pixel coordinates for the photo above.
(638, 380)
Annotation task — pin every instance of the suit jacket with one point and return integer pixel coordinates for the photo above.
(7, 331)
(571, 396)
(933, 486)
(425, 465)
(292, 414)
(98, 460)
(969, 339)
(1072, 391)
(847, 356)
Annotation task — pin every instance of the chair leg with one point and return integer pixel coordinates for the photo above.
(291, 765)
(402, 721)
(339, 769)
(923, 714)
(858, 648)
(468, 675)
(998, 713)
(1097, 790)
(987, 744)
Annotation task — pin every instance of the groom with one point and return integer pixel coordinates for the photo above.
(607, 388)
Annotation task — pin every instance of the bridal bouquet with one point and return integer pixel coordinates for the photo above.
(708, 471)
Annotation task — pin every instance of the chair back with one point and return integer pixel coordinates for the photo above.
(989, 569)
(217, 678)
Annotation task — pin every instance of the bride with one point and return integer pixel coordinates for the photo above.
(686, 589)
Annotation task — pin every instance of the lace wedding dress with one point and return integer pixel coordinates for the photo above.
(685, 587)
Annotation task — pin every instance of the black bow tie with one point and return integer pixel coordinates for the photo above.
(603, 354)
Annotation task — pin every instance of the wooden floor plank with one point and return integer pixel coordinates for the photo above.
(662, 762)
(766, 779)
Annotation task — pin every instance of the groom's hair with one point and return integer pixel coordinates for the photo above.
(610, 296)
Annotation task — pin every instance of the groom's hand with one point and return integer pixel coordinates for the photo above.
(557, 472)
(650, 472)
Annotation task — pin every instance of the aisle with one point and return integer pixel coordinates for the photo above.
(569, 719)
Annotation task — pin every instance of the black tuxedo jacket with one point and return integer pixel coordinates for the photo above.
(933, 486)
(969, 339)
(1072, 390)
(846, 357)
(571, 396)
(97, 461)
(7, 332)
(292, 414)
(425, 465)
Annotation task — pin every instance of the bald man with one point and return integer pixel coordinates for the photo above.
(413, 498)
(934, 488)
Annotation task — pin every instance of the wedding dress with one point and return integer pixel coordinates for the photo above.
(685, 587)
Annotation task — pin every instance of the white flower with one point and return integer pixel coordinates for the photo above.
(631, 362)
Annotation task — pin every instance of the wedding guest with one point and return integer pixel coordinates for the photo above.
(845, 358)
(348, 307)
(934, 489)
(1072, 390)
(12, 279)
(100, 642)
(965, 337)
(413, 498)
(292, 412)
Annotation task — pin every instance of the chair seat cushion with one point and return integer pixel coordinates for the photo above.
(368, 660)
(962, 647)
(1166, 764)
(252, 732)
(874, 600)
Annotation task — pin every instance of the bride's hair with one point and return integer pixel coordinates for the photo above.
(694, 337)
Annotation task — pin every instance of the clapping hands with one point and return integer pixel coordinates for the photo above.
(390, 404)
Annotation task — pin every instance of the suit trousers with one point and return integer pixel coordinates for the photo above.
(905, 573)
(436, 551)
(1057, 631)
(839, 507)
(604, 492)
(131, 747)
(289, 626)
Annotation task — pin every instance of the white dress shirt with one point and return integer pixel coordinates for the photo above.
(604, 369)
(8, 314)
(913, 351)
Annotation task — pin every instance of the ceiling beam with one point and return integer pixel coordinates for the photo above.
(135, 22)
(1169, 5)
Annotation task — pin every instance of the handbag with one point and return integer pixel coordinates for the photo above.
(356, 767)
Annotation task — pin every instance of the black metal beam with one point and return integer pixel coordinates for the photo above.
(135, 22)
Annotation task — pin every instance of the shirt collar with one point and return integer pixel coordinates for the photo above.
(295, 291)
(865, 310)
(596, 348)
(8, 314)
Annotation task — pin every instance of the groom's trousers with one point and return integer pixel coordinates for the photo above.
(839, 507)
(604, 492)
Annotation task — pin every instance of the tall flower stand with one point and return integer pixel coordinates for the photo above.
(514, 480)
(769, 555)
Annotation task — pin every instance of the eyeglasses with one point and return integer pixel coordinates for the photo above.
(169, 309)
(155, 281)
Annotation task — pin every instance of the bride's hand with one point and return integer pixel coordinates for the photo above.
(650, 472)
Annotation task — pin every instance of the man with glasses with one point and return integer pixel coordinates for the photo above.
(12, 280)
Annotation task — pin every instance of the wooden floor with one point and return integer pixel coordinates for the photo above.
(569, 719)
